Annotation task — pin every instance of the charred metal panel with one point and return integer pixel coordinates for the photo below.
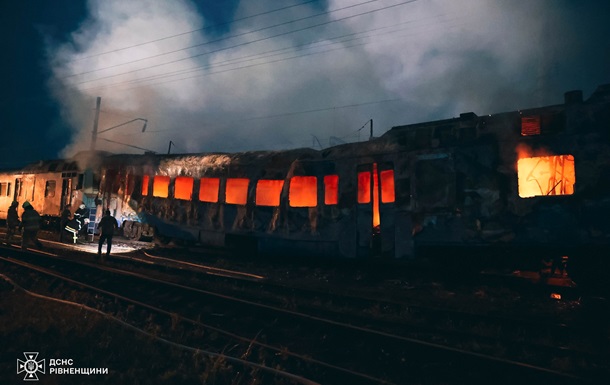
(434, 182)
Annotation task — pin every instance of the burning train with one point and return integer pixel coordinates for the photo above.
(535, 178)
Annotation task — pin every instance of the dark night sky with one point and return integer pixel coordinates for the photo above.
(255, 79)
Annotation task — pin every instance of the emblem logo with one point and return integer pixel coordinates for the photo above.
(30, 366)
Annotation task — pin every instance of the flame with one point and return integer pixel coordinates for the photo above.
(161, 186)
(546, 175)
(268, 192)
(145, 180)
(237, 191)
(331, 189)
(386, 178)
(364, 187)
(387, 186)
(376, 220)
(303, 191)
(183, 188)
(208, 189)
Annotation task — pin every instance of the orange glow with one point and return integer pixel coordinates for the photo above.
(364, 187)
(268, 192)
(237, 191)
(387, 186)
(546, 175)
(145, 180)
(208, 189)
(161, 186)
(303, 191)
(183, 188)
(530, 125)
(375, 196)
(331, 189)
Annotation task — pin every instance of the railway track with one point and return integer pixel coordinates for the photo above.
(335, 345)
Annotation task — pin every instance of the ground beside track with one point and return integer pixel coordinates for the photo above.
(33, 325)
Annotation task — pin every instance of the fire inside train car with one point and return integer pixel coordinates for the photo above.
(533, 179)
(49, 186)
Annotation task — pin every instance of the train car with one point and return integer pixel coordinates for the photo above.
(533, 180)
(50, 186)
(46, 185)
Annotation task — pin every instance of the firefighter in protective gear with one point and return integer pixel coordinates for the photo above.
(30, 222)
(107, 226)
(12, 221)
(63, 221)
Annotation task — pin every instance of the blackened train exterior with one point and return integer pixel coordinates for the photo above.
(537, 178)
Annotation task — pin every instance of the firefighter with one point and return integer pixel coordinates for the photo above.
(63, 221)
(30, 222)
(107, 226)
(12, 221)
(82, 216)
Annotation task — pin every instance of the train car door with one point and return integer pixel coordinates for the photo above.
(376, 210)
(66, 191)
(18, 189)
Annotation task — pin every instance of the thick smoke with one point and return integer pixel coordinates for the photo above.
(245, 86)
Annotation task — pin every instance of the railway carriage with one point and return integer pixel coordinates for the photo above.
(535, 179)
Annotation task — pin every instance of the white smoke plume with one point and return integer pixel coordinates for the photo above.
(249, 86)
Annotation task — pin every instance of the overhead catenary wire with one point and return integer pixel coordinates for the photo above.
(267, 54)
(234, 36)
(238, 45)
(193, 31)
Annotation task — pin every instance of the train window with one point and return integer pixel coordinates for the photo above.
(237, 191)
(18, 188)
(331, 189)
(3, 189)
(546, 175)
(161, 186)
(49, 189)
(145, 180)
(530, 125)
(364, 187)
(208, 189)
(8, 189)
(387, 186)
(268, 192)
(33, 190)
(183, 188)
(303, 191)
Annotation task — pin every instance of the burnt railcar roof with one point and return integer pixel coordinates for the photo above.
(464, 117)
(44, 166)
(250, 162)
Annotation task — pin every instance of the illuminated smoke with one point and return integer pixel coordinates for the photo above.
(419, 61)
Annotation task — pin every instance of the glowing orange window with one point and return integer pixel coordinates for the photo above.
(237, 191)
(387, 186)
(183, 188)
(364, 187)
(208, 189)
(145, 180)
(331, 189)
(303, 191)
(546, 175)
(268, 192)
(161, 186)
